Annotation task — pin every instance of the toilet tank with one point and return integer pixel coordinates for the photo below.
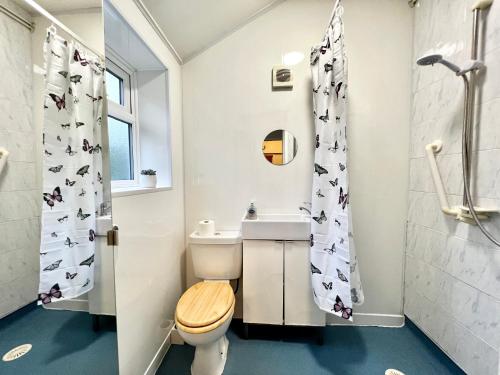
(218, 256)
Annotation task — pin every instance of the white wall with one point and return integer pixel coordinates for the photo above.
(452, 286)
(154, 124)
(19, 191)
(229, 108)
(149, 260)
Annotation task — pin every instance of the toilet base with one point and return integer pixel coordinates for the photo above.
(210, 359)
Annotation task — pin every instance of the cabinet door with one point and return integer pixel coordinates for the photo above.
(300, 308)
(263, 281)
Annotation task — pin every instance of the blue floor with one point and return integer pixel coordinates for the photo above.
(63, 343)
(346, 351)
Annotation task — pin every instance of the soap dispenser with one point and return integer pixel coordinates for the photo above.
(252, 211)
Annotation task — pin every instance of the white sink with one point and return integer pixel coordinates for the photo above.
(293, 227)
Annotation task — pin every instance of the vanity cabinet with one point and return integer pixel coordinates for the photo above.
(277, 284)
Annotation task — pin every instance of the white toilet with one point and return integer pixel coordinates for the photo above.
(205, 310)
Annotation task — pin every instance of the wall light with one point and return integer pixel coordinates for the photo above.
(292, 58)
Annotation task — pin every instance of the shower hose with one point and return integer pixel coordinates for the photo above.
(468, 118)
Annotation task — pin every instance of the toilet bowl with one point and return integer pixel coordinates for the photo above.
(202, 317)
(205, 310)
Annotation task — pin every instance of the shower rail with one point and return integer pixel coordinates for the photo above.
(4, 154)
(43, 12)
(13, 15)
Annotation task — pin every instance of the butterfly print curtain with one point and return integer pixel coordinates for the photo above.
(335, 275)
(72, 168)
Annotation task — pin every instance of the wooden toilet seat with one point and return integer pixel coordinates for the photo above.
(204, 307)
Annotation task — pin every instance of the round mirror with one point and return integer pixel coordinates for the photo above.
(279, 147)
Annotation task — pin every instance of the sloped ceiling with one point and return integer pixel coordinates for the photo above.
(194, 25)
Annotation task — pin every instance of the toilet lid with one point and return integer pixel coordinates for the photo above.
(204, 303)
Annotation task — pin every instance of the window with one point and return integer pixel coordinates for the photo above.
(114, 86)
(122, 124)
(121, 150)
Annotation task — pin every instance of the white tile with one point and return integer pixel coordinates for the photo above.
(477, 265)
(452, 271)
(420, 175)
(20, 198)
(412, 307)
(492, 31)
(18, 176)
(8, 266)
(471, 353)
(21, 146)
(490, 89)
(19, 205)
(487, 125)
(486, 174)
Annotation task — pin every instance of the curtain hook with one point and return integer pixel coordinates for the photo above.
(52, 28)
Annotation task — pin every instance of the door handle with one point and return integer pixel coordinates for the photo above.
(112, 236)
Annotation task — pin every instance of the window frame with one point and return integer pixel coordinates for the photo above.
(128, 112)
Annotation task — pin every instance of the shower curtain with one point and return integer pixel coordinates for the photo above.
(72, 168)
(335, 274)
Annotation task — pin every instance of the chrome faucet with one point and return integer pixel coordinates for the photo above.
(105, 208)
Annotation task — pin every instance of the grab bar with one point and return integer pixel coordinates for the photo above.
(460, 212)
(432, 149)
(4, 154)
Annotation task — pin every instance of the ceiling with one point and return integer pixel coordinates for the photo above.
(191, 26)
(194, 25)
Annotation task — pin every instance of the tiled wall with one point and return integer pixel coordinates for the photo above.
(19, 189)
(452, 283)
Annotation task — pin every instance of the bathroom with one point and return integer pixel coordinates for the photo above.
(207, 147)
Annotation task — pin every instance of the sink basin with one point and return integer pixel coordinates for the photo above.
(293, 227)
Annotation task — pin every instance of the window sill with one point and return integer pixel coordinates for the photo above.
(136, 190)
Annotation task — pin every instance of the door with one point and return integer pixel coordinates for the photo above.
(263, 281)
(300, 308)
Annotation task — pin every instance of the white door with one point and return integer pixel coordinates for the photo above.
(300, 308)
(263, 281)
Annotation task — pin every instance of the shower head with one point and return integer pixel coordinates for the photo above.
(432, 59)
(429, 59)
(438, 59)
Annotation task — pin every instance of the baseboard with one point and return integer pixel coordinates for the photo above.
(363, 319)
(160, 354)
(69, 304)
(18, 311)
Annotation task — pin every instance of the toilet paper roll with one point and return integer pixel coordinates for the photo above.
(206, 228)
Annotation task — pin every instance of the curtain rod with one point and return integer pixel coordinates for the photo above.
(61, 25)
(23, 21)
